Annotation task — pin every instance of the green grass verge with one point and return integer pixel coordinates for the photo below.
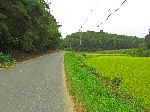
(134, 72)
(87, 86)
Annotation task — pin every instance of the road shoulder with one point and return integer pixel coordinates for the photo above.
(67, 98)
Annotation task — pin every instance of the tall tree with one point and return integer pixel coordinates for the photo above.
(27, 25)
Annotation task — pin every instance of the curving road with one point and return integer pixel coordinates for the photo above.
(36, 85)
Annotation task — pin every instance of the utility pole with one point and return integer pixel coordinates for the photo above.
(80, 41)
(70, 46)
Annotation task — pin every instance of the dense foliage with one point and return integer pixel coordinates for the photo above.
(27, 25)
(92, 41)
(5, 60)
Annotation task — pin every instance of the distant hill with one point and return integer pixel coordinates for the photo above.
(93, 41)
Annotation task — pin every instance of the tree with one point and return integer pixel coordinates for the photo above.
(92, 41)
(27, 25)
(147, 41)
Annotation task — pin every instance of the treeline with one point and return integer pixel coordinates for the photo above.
(93, 41)
(27, 25)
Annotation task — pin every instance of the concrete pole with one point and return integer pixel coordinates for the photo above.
(70, 46)
(80, 41)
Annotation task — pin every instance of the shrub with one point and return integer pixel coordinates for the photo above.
(5, 60)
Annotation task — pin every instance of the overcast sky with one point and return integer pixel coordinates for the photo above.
(133, 18)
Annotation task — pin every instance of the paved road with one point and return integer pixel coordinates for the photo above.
(34, 86)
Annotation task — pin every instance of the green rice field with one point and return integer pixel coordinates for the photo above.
(134, 72)
(89, 91)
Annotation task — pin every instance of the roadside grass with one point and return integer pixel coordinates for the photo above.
(5, 60)
(95, 92)
(134, 73)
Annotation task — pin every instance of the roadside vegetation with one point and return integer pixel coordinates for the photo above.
(96, 92)
(27, 27)
(6, 60)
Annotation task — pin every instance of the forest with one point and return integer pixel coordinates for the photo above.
(27, 26)
(95, 41)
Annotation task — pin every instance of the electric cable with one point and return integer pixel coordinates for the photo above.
(112, 13)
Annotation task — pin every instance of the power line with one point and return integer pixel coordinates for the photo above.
(87, 18)
(113, 5)
(112, 13)
(107, 18)
(123, 2)
(91, 11)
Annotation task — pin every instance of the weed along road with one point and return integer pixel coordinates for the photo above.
(36, 85)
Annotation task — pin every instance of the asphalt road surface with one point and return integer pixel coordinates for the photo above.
(36, 85)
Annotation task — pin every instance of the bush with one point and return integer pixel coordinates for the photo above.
(27, 42)
(141, 52)
(146, 53)
(5, 60)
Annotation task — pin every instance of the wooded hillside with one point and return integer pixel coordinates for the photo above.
(27, 25)
(92, 41)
